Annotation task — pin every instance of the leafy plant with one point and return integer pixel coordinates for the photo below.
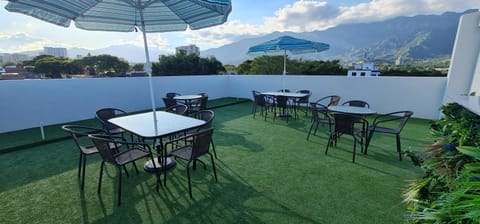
(449, 192)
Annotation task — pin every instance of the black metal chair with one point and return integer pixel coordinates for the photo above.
(259, 100)
(198, 104)
(391, 123)
(207, 116)
(172, 94)
(282, 104)
(179, 109)
(107, 113)
(303, 100)
(327, 101)
(198, 147)
(348, 124)
(356, 103)
(169, 102)
(85, 146)
(320, 115)
(118, 152)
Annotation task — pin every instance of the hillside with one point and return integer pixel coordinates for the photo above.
(411, 38)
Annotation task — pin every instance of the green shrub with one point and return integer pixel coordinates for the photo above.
(449, 192)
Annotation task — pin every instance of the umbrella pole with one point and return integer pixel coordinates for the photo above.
(148, 69)
(284, 68)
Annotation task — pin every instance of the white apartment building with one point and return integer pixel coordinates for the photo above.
(55, 51)
(189, 49)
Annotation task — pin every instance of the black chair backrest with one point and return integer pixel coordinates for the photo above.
(306, 98)
(169, 102)
(282, 101)
(203, 101)
(406, 116)
(201, 142)
(102, 143)
(205, 115)
(259, 98)
(180, 109)
(334, 100)
(357, 103)
(106, 113)
(345, 123)
(79, 132)
(327, 101)
(172, 94)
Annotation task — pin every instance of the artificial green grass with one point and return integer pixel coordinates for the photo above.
(21, 139)
(267, 173)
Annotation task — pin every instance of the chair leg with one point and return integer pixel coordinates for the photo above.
(330, 138)
(189, 181)
(80, 163)
(399, 147)
(354, 149)
(119, 185)
(135, 166)
(213, 148)
(100, 177)
(370, 135)
(310, 131)
(213, 166)
(84, 162)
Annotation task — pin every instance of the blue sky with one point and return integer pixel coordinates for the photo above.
(249, 18)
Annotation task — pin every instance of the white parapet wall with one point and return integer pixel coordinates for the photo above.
(422, 95)
(34, 103)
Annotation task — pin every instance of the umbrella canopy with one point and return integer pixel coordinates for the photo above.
(127, 16)
(287, 45)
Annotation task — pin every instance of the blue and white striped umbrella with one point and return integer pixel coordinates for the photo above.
(127, 16)
(287, 45)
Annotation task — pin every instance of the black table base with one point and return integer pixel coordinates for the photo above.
(150, 168)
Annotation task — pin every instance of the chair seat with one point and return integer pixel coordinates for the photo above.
(89, 149)
(116, 131)
(382, 129)
(183, 152)
(129, 156)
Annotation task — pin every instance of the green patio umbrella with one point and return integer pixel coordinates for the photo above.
(127, 16)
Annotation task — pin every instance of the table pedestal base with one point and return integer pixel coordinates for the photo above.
(150, 168)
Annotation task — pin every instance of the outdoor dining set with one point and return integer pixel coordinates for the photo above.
(352, 117)
(183, 130)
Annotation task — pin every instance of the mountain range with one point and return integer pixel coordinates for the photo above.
(408, 38)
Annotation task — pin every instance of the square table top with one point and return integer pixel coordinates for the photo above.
(167, 123)
(352, 110)
(287, 94)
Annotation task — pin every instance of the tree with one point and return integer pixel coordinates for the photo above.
(274, 65)
(137, 67)
(52, 67)
(186, 64)
(105, 64)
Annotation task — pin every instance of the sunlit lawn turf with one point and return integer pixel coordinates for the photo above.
(267, 173)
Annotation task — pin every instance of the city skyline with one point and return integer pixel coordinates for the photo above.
(23, 33)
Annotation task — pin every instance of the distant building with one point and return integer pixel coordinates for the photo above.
(399, 61)
(55, 51)
(190, 49)
(15, 58)
(364, 69)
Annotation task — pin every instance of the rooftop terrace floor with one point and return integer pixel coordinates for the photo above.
(267, 173)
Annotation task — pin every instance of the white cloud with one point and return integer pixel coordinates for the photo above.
(311, 15)
(16, 42)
